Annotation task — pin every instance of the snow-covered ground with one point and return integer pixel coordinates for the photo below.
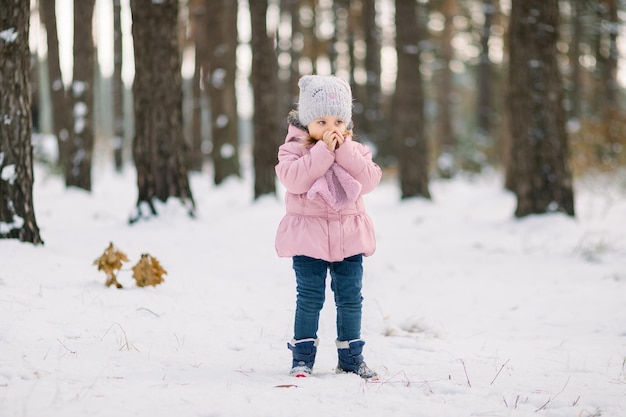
(468, 311)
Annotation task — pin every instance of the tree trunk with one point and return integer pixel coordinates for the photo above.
(17, 215)
(292, 9)
(219, 81)
(311, 43)
(409, 105)
(541, 177)
(264, 84)
(607, 55)
(61, 118)
(118, 89)
(483, 107)
(446, 161)
(613, 59)
(199, 33)
(159, 146)
(196, 153)
(286, 45)
(375, 126)
(575, 87)
(78, 173)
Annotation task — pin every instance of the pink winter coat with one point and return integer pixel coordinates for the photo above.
(311, 226)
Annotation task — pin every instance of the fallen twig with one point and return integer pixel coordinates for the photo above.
(469, 384)
(125, 343)
(68, 349)
(500, 370)
(148, 310)
(552, 398)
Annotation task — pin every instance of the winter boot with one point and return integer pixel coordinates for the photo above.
(351, 359)
(303, 356)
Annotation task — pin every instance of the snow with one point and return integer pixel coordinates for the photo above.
(221, 121)
(227, 150)
(467, 310)
(411, 49)
(80, 113)
(16, 223)
(80, 109)
(9, 35)
(218, 77)
(78, 88)
(57, 85)
(7, 172)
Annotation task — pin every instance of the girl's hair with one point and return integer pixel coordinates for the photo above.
(310, 141)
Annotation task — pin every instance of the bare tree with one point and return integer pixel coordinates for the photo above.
(17, 215)
(198, 28)
(375, 126)
(118, 88)
(61, 117)
(159, 145)
(264, 84)
(539, 171)
(312, 47)
(219, 81)
(446, 161)
(607, 55)
(408, 115)
(78, 169)
(293, 9)
(484, 73)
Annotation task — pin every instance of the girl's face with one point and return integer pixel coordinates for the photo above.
(320, 125)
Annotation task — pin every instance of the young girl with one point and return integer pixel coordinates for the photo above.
(326, 227)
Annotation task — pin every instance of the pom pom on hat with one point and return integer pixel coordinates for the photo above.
(322, 96)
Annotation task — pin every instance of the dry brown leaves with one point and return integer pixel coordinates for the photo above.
(148, 271)
(111, 262)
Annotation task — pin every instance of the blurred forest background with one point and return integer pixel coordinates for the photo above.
(533, 88)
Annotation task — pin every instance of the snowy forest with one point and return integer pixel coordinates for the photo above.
(531, 88)
(139, 207)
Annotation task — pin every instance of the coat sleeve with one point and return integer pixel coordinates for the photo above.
(356, 158)
(299, 167)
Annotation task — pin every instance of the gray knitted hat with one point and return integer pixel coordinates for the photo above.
(324, 96)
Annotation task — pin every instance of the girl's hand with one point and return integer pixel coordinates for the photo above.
(333, 139)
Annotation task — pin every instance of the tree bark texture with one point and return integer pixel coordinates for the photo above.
(200, 35)
(195, 156)
(219, 81)
(159, 146)
(411, 146)
(575, 86)
(293, 9)
(78, 169)
(607, 54)
(541, 178)
(446, 161)
(264, 84)
(484, 75)
(375, 126)
(61, 116)
(17, 215)
(118, 88)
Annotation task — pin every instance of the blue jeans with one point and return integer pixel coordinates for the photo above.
(346, 282)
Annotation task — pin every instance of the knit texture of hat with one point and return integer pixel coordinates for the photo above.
(322, 96)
